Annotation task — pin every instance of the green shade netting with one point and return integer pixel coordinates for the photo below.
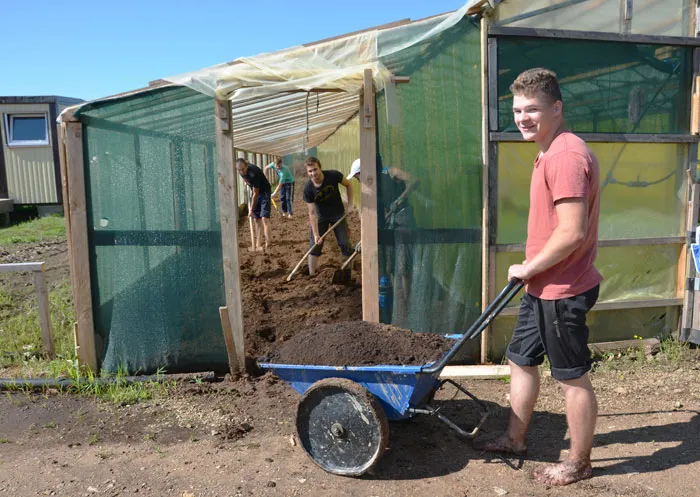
(434, 264)
(154, 233)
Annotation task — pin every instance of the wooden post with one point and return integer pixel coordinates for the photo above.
(368, 182)
(228, 338)
(485, 259)
(79, 249)
(42, 301)
(228, 209)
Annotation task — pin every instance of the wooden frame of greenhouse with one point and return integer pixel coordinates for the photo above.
(151, 198)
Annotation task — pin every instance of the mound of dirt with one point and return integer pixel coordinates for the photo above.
(358, 343)
(274, 310)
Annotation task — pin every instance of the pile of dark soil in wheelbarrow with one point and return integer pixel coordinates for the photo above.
(358, 343)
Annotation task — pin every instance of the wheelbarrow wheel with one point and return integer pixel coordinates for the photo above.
(341, 426)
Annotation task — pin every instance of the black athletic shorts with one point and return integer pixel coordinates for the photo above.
(556, 328)
(262, 206)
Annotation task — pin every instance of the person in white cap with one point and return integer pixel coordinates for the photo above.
(394, 187)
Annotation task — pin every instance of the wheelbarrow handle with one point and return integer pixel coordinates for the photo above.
(493, 309)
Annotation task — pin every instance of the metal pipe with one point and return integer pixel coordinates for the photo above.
(494, 308)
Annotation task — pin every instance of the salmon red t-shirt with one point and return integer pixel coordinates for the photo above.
(568, 169)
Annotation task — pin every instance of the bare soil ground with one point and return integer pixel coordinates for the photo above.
(275, 310)
(237, 437)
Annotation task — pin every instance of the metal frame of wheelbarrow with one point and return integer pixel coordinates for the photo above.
(342, 415)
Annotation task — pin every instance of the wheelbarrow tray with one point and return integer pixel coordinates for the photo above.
(397, 388)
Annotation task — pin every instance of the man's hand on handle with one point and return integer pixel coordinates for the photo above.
(519, 272)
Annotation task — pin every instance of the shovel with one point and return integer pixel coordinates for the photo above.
(343, 276)
(303, 257)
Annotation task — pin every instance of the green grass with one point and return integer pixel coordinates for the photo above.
(36, 230)
(21, 351)
(20, 331)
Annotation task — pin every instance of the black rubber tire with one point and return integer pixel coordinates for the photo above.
(341, 426)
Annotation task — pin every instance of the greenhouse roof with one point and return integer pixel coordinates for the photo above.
(294, 99)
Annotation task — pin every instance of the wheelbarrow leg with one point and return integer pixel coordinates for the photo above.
(432, 411)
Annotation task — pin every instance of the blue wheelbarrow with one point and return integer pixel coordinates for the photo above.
(342, 416)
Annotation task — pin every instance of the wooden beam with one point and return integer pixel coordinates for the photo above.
(615, 306)
(15, 267)
(492, 68)
(368, 182)
(649, 344)
(228, 211)
(506, 136)
(483, 372)
(400, 80)
(485, 259)
(80, 250)
(42, 302)
(567, 34)
(618, 242)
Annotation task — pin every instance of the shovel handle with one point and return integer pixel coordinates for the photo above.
(352, 256)
(301, 261)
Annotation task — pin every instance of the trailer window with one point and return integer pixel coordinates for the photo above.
(26, 129)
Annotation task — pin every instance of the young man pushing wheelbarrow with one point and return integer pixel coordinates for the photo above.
(562, 282)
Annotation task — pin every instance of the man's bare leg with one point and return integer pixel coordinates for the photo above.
(581, 414)
(258, 234)
(266, 230)
(524, 389)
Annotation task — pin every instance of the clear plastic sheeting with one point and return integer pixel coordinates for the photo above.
(337, 64)
(642, 189)
(430, 246)
(291, 100)
(340, 150)
(637, 272)
(608, 87)
(650, 17)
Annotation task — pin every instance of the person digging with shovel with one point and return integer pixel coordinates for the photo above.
(255, 178)
(285, 186)
(395, 185)
(322, 197)
(562, 282)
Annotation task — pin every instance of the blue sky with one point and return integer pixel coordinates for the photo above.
(91, 49)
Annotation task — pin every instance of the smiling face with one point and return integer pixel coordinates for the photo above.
(315, 173)
(537, 117)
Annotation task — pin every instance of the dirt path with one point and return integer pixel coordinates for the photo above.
(235, 438)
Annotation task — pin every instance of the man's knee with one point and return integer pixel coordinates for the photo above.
(523, 370)
(581, 383)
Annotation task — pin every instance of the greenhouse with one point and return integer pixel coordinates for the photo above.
(152, 202)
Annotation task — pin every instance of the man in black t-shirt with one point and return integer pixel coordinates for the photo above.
(255, 179)
(322, 197)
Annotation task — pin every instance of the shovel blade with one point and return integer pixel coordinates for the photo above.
(342, 276)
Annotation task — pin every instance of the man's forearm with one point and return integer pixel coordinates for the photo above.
(349, 192)
(559, 246)
(313, 223)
